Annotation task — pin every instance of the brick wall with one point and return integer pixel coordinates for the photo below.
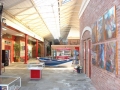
(73, 41)
(102, 79)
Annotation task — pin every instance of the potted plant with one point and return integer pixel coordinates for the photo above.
(39, 51)
(48, 50)
(17, 52)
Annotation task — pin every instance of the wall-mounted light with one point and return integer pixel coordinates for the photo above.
(4, 24)
(4, 20)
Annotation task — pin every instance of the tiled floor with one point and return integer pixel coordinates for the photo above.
(52, 78)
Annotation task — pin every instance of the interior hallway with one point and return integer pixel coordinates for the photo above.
(52, 78)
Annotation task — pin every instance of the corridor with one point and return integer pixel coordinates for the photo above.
(52, 78)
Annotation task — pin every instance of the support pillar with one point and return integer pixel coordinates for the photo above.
(36, 48)
(12, 51)
(26, 49)
(1, 8)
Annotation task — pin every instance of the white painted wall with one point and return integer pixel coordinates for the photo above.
(74, 33)
(15, 24)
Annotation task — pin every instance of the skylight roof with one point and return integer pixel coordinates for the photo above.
(65, 1)
(48, 10)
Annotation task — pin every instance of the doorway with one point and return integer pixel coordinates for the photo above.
(89, 57)
(84, 56)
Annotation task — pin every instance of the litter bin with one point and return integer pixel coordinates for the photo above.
(78, 70)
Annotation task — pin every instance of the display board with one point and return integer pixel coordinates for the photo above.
(63, 53)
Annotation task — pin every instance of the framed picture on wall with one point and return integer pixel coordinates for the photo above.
(101, 55)
(94, 54)
(94, 29)
(110, 24)
(111, 56)
(100, 29)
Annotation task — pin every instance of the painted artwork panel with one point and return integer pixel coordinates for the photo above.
(111, 56)
(101, 56)
(94, 55)
(110, 24)
(100, 30)
(94, 36)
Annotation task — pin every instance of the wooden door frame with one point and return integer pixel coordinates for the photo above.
(89, 59)
(84, 57)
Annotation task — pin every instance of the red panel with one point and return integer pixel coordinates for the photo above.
(35, 74)
(26, 49)
(62, 57)
(7, 47)
(12, 50)
(36, 48)
(77, 48)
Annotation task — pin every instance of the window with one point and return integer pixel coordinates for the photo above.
(65, 1)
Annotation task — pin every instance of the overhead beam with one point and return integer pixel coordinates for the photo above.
(40, 16)
(22, 11)
(25, 14)
(16, 2)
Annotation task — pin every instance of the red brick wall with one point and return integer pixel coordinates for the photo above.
(102, 79)
(73, 41)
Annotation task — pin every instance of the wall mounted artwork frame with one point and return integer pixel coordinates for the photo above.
(100, 29)
(101, 55)
(94, 54)
(110, 23)
(94, 30)
(111, 56)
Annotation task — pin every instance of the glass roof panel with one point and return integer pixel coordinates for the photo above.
(51, 19)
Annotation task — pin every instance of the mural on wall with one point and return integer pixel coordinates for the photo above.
(110, 24)
(94, 54)
(94, 27)
(104, 54)
(100, 29)
(101, 59)
(111, 56)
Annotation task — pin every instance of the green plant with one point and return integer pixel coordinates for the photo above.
(48, 50)
(17, 50)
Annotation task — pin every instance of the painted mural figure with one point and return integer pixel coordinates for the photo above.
(101, 56)
(110, 56)
(94, 55)
(93, 58)
(100, 30)
(110, 25)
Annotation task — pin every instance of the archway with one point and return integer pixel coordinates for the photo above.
(86, 46)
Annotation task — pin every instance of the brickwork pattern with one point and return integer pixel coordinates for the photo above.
(102, 79)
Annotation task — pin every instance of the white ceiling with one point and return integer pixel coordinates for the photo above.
(26, 12)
